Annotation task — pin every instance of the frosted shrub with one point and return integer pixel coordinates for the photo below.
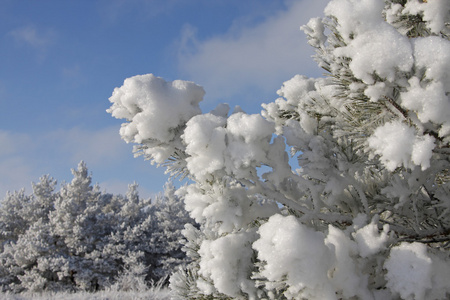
(80, 239)
(367, 214)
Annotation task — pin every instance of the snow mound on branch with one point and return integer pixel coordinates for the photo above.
(345, 275)
(426, 50)
(373, 45)
(355, 15)
(397, 145)
(228, 270)
(297, 255)
(237, 144)
(435, 12)
(229, 208)
(370, 240)
(409, 270)
(430, 102)
(154, 109)
(414, 273)
(205, 139)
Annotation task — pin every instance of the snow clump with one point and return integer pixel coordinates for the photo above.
(297, 253)
(155, 109)
(397, 145)
(409, 270)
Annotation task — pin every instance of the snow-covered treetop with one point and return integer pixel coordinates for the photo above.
(372, 140)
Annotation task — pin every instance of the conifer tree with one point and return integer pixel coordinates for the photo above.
(82, 239)
(367, 213)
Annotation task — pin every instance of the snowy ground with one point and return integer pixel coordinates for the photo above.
(152, 294)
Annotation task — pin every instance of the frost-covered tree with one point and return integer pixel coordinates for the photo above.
(19, 211)
(166, 240)
(367, 213)
(82, 239)
(150, 245)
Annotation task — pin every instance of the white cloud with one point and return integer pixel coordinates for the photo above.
(37, 39)
(15, 174)
(33, 37)
(24, 158)
(261, 56)
(114, 10)
(97, 148)
(14, 170)
(7, 143)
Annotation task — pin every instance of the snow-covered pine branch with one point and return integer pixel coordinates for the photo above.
(367, 215)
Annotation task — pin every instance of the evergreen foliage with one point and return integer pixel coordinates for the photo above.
(367, 214)
(80, 239)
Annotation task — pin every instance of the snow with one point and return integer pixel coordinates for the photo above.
(439, 280)
(227, 261)
(295, 89)
(422, 151)
(293, 250)
(369, 141)
(376, 91)
(315, 29)
(217, 144)
(205, 139)
(369, 240)
(355, 16)
(221, 110)
(378, 48)
(249, 137)
(430, 102)
(229, 209)
(345, 275)
(250, 127)
(426, 50)
(409, 270)
(397, 145)
(154, 109)
(435, 12)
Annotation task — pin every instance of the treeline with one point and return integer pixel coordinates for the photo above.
(79, 238)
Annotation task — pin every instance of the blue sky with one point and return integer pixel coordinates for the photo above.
(60, 61)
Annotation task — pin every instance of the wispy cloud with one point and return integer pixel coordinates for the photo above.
(24, 158)
(100, 147)
(14, 169)
(114, 10)
(39, 39)
(15, 174)
(261, 56)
